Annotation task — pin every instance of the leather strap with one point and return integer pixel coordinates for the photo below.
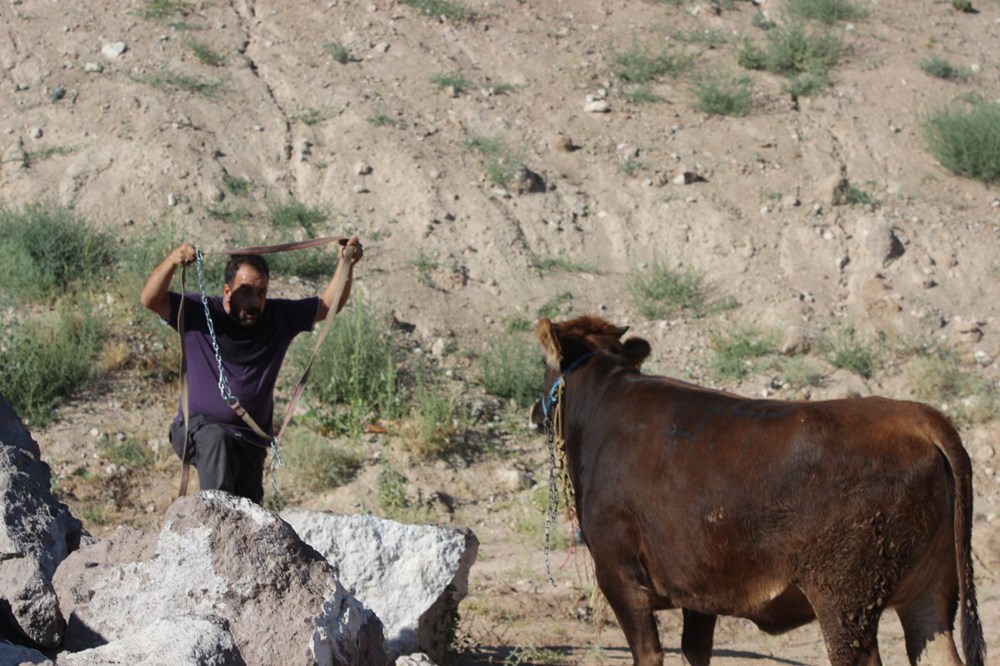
(185, 404)
(284, 247)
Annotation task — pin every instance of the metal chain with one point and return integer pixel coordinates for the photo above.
(224, 389)
(552, 508)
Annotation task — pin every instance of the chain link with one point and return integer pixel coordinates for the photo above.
(224, 390)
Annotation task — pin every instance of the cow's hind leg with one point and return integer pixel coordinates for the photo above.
(927, 627)
(850, 631)
(696, 640)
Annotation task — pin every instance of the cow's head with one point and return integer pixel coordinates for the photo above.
(567, 344)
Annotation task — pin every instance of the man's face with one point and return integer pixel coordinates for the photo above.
(244, 299)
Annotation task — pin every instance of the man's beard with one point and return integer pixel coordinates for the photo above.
(247, 318)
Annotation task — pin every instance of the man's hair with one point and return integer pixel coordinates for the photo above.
(254, 261)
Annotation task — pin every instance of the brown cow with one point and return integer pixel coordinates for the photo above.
(778, 512)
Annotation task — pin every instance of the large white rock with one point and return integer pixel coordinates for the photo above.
(36, 533)
(180, 641)
(412, 576)
(223, 557)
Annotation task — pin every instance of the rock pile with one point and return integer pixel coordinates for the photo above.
(223, 582)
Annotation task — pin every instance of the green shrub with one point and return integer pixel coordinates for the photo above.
(659, 291)
(828, 12)
(793, 49)
(938, 377)
(46, 249)
(511, 368)
(846, 348)
(721, 95)
(449, 9)
(159, 10)
(46, 359)
(436, 419)
(129, 452)
(392, 489)
(319, 463)
(171, 80)
(311, 264)
(206, 54)
(355, 370)
(940, 68)
(553, 307)
(294, 214)
(454, 80)
(736, 352)
(805, 57)
(858, 197)
(338, 52)
(966, 139)
(641, 95)
(642, 64)
(559, 264)
(379, 120)
(239, 187)
(500, 163)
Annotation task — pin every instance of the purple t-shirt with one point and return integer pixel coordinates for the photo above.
(251, 357)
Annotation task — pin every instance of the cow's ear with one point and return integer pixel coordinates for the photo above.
(636, 351)
(545, 330)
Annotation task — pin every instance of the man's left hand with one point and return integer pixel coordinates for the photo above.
(359, 250)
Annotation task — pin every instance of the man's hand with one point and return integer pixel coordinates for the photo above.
(154, 293)
(183, 255)
(326, 298)
(359, 251)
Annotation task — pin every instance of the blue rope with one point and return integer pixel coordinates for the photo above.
(549, 400)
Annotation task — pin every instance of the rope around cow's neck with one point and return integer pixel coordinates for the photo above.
(558, 466)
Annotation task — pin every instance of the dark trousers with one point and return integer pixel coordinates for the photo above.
(224, 460)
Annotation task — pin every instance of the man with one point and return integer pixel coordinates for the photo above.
(253, 335)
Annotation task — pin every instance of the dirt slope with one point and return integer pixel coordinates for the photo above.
(155, 136)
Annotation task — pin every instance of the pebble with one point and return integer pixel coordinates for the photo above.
(597, 106)
(113, 50)
(93, 68)
(362, 168)
(38, 133)
(57, 93)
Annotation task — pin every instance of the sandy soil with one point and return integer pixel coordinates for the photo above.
(129, 142)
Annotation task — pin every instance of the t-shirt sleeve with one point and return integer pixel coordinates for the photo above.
(302, 314)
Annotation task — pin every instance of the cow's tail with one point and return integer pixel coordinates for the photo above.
(947, 441)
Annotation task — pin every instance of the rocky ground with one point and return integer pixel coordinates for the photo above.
(373, 111)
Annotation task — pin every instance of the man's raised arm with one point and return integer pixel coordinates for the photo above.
(326, 298)
(154, 293)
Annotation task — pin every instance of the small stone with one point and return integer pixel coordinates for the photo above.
(113, 50)
(985, 453)
(171, 199)
(93, 68)
(561, 143)
(38, 133)
(360, 189)
(57, 93)
(597, 106)
(362, 168)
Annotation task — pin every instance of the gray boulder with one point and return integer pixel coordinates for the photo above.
(216, 557)
(37, 532)
(412, 576)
